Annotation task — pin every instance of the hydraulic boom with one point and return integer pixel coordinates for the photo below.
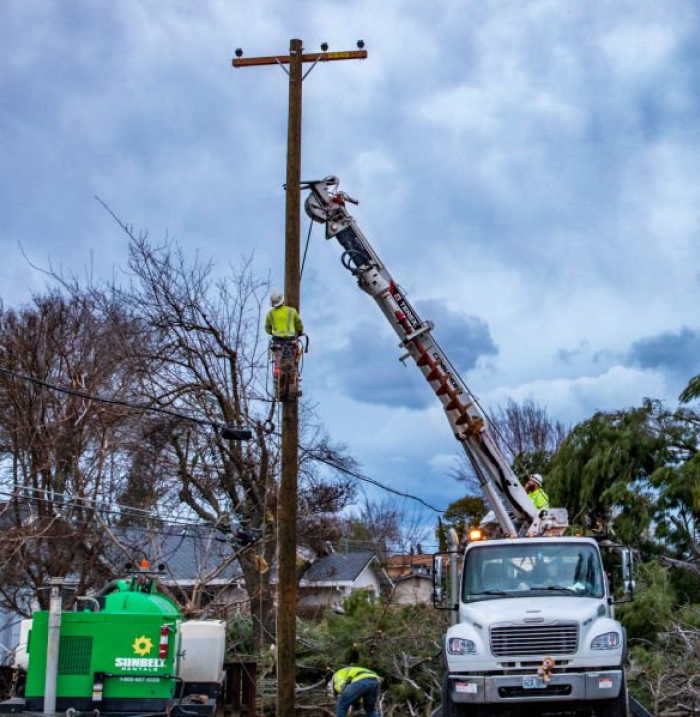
(514, 511)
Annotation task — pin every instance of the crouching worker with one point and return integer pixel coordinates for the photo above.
(353, 685)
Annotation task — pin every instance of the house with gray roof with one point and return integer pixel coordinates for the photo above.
(199, 565)
(332, 578)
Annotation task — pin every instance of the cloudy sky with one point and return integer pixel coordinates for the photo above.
(528, 171)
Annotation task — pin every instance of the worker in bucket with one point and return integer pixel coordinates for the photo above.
(355, 685)
(534, 490)
(282, 322)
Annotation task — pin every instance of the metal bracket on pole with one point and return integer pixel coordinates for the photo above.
(281, 64)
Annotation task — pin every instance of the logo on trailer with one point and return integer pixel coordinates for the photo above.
(142, 647)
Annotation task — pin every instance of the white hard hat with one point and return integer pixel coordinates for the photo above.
(276, 299)
(537, 478)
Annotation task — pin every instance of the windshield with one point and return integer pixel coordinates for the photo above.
(497, 571)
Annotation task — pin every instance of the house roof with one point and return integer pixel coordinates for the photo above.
(394, 561)
(194, 554)
(338, 567)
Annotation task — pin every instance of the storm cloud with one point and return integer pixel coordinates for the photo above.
(527, 170)
(368, 369)
(674, 351)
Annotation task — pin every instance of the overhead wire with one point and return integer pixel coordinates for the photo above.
(367, 479)
(76, 501)
(212, 424)
(306, 248)
(118, 514)
(112, 401)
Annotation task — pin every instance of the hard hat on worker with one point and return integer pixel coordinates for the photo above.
(537, 479)
(276, 299)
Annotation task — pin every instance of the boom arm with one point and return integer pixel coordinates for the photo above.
(506, 496)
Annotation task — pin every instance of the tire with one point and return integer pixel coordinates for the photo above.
(618, 706)
(449, 708)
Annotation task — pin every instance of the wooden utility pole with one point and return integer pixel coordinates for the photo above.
(288, 493)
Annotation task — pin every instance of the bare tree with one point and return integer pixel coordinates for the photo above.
(385, 527)
(527, 428)
(206, 358)
(62, 457)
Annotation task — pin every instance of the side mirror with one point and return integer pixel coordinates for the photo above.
(627, 566)
(438, 588)
(445, 581)
(619, 569)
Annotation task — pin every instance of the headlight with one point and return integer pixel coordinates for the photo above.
(608, 641)
(460, 646)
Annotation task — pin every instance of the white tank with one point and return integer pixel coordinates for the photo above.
(202, 649)
(21, 658)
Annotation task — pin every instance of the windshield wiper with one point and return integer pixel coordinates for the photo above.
(558, 588)
(496, 592)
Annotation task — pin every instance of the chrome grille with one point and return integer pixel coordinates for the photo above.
(534, 640)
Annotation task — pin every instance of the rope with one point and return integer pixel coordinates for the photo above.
(306, 248)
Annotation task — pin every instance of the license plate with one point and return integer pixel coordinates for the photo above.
(534, 683)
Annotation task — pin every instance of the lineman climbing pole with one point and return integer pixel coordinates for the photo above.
(287, 511)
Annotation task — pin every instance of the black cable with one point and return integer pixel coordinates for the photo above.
(367, 479)
(213, 424)
(126, 510)
(306, 248)
(112, 401)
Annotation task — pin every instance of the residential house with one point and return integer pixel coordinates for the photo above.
(331, 578)
(412, 575)
(200, 569)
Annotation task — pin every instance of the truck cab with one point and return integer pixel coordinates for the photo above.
(536, 627)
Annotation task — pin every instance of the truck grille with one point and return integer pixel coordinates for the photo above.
(534, 640)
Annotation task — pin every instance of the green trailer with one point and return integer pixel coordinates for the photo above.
(118, 654)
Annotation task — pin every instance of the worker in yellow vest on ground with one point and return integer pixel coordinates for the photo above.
(355, 684)
(537, 495)
(282, 322)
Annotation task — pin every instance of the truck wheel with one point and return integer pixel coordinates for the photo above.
(616, 707)
(449, 708)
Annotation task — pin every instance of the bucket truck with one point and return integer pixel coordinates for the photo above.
(534, 617)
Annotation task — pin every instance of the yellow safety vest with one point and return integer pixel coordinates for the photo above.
(283, 322)
(540, 499)
(342, 678)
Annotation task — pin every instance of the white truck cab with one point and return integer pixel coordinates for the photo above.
(535, 625)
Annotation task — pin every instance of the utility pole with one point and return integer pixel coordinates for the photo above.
(288, 493)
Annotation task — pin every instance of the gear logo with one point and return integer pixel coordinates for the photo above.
(142, 645)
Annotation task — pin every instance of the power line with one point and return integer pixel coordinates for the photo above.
(367, 479)
(143, 516)
(131, 511)
(112, 401)
(212, 424)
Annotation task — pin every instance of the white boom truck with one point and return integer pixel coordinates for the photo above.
(535, 625)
